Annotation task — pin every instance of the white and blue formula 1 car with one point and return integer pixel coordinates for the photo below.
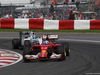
(18, 43)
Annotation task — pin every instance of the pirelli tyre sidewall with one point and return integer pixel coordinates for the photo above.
(66, 48)
(61, 51)
(15, 43)
(26, 50)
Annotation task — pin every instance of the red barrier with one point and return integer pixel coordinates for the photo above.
(36, 23)
(0, 23)
(95, 24)
(7, 23)
(39, 24)
(66, 24)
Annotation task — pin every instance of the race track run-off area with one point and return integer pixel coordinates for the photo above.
(84, 57)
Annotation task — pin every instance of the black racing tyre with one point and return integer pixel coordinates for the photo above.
(49, 52)
(66, 47)
(15, 43)
(61, 51)
(26, 51)
(27, 43)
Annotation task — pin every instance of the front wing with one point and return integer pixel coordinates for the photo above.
(36, 57)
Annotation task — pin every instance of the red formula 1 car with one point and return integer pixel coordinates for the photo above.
(50, 48)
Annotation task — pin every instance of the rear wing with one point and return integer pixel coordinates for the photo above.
(50, 36)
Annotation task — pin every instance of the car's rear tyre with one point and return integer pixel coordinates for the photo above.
(26, 50)
(15, 43)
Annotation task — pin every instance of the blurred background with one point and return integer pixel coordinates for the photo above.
(51, 9)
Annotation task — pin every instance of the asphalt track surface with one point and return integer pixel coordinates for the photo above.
(84, 57)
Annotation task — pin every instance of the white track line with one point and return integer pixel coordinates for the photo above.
(7, 60)
(76, 40)
(8, 37)
(3, 64)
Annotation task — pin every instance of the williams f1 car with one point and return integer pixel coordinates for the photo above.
(50, 48)
(18, 43)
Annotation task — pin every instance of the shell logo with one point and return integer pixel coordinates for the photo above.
(43, 51)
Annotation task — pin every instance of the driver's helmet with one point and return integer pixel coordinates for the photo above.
(34, 36)
(46, 42)
(31, 33)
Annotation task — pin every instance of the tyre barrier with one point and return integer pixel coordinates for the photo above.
(49, 24)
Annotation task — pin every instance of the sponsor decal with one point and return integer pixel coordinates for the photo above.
(43, 51)
(27, 56)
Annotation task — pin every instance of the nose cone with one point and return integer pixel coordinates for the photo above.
(43, 54)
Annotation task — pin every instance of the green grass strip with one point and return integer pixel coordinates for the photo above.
(62, 31)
